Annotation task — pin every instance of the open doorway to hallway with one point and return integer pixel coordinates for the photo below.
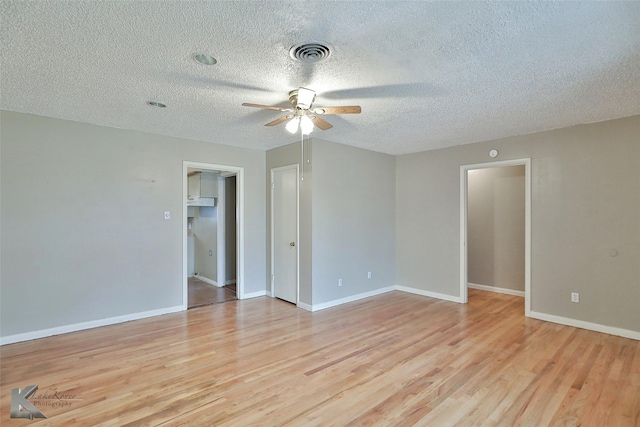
(211, 227)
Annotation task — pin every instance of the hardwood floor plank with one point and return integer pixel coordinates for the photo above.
(395, 360)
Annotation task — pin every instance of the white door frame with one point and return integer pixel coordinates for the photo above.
(239, 171)
(272, 225)
(527, 226)
(221, 203)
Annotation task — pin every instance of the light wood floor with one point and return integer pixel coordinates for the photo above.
(392, 360)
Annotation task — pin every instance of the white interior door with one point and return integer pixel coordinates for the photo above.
(284, 217)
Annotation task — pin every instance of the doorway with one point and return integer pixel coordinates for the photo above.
(496, 215)
(285, 233)
(213, 224)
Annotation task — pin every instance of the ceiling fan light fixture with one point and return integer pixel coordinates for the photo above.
(306, 125)
(302, 116)
(292, 125)
(204, 59)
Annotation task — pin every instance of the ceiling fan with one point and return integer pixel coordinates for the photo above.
(302, 114)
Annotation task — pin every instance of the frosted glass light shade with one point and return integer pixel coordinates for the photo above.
(306, 125)
(292, 125)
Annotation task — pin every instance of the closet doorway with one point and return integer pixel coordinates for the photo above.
(495, 228)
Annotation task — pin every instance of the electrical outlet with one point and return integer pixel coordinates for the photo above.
(368, 275)
(210, 252)
(339, 282)
(575, 297)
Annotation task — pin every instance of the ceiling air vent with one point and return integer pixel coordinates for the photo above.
(311, 52)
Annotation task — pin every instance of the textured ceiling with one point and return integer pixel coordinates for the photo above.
(427, 75)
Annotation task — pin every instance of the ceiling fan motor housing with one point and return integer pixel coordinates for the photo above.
(302, 98)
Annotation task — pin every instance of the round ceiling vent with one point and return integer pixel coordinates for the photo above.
(311, 52)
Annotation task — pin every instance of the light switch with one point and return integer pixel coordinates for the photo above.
(167, 214)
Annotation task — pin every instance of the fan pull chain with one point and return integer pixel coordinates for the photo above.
(302, 160)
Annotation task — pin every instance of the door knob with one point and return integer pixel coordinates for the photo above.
(292, 244)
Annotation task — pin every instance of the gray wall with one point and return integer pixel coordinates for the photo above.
(347, 217)
(585, 204)
(496, 227)
(83, 234)
(353, 220)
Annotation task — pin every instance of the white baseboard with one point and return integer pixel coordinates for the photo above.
(626, 333)
(207, 280)
(254, 294)
(230, 282)
(496, 289)
(428, 293)
(305, 306)
(328, 304)
(10, 339)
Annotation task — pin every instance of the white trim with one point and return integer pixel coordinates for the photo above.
(227, 174)
(271, 291)
(429, 294)
(27, 336)
(240, 234)
(527, 226)
(271, 227)
(10, 339)
(463, 235)
(221, 228)
(229, 282)
(328, 304)
(496, 289)
(207, 280)
(305, 306)
(227, 170)
(255, 294)
(626, 333)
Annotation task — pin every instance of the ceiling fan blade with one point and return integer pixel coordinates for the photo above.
(320, 123)
(403, 90)
(279, 120)
(353, 109)
(268, 107)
